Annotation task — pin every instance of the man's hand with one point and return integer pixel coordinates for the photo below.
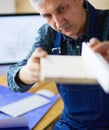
(30, 73)
(100, 47)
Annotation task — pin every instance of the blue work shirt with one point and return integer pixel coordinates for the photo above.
(84, 105)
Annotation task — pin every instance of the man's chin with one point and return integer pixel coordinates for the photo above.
(71, 35)
(67, 34)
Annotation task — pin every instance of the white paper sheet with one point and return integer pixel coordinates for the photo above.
(25, 105)
(98, 65)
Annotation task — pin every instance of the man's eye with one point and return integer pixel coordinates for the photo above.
(62, 9)
(47, 16)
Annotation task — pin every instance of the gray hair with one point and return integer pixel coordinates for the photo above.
(35, 1)
(38, 1)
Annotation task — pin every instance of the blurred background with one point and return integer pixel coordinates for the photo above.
(13, 27)
(23, 6)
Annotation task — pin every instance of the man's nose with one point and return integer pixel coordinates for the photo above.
(59, 20)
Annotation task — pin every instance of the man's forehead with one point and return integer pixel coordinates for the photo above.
(48, 5)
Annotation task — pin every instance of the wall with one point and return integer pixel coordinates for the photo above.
(26, 7)
(101, 4)
(7, 6)
(23, 6)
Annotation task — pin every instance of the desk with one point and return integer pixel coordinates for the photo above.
(54, 113)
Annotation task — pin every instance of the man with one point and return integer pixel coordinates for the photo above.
(86, 107)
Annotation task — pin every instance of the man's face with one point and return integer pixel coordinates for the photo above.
(67, 16)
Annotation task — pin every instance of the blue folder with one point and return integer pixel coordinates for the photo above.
(34, 116)
(19, 128)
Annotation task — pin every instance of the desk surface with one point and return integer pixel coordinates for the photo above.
(53, 113)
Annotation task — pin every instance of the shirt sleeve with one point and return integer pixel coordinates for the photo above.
(12, 83)
(44, 40)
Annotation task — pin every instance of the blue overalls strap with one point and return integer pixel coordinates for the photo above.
(57, 49)
(108, 24)
(93, 23)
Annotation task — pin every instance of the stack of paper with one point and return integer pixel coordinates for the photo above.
(90, 68)
(66, 69)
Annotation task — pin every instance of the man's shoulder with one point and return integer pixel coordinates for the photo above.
(47, 31)
(45, 28)
(103, 12)
(103, 16)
